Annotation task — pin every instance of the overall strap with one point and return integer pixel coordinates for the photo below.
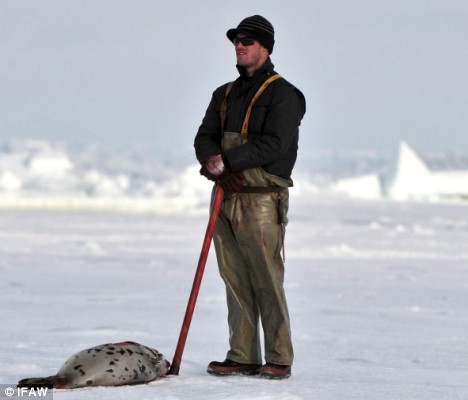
(245, 125)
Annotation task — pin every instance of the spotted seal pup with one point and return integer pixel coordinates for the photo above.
(112, 364)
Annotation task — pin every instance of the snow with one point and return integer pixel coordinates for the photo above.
(377, 292)
(361, 187)
(377, 289)
(42, 175)
(452, 185)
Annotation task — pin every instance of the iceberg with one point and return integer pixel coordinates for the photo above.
(410, 179)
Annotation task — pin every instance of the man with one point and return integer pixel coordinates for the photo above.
(248, 143)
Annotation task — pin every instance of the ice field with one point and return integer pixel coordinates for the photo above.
(377, 291)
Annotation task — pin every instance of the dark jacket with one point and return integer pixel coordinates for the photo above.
(273, 126)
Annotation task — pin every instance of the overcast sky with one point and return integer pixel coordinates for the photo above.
(143, 71)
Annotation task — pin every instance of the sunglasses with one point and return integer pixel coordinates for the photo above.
(246, 41)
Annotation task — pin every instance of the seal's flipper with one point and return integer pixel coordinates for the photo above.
(48, 382)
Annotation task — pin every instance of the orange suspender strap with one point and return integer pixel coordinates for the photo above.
(245, 125)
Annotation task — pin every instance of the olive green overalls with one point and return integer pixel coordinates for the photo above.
(248, 241)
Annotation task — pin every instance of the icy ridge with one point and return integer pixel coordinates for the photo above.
(37, 174)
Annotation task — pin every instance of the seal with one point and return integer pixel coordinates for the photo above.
(111, 364)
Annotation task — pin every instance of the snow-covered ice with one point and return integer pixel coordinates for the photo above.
(97, 249)
(36, 174)
(377, 290)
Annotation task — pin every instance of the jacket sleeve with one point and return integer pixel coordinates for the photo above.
(208, 138)
(278, 133)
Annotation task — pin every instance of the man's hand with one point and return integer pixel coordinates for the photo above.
(215, 170)
(206, 174)
(215, 165)
(232, 181)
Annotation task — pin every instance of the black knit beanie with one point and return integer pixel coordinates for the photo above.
(257, 28)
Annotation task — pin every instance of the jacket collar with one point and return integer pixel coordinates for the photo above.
(265, 69)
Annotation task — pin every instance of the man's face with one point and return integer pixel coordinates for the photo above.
(251, 56)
